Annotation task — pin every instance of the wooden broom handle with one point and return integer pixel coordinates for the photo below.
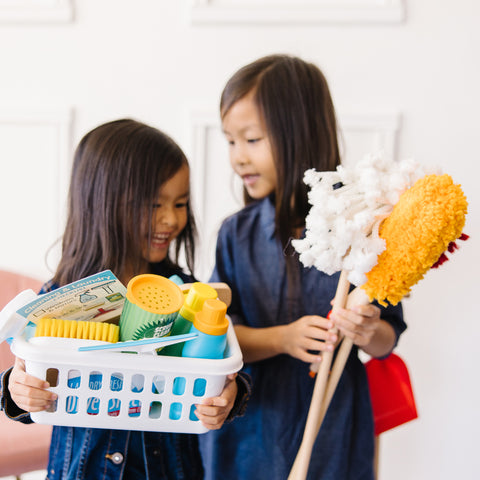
(356, 297)
(302, 460)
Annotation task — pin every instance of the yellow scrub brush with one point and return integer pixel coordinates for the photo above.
(56, 327)
(106, 333)
(394, 241)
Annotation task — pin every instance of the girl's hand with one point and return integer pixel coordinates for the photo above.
(212, 412)
(359, 324)
(310, 332)
(28, 392)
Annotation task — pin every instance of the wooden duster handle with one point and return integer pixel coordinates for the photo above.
(356, 297)
(302, 460)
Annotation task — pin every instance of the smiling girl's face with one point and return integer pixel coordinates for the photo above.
(170, 215)
(249, 147)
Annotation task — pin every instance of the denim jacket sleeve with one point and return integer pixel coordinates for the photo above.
(7, 404)
(244, 384)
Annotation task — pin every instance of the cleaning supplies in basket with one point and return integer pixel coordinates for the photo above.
(98, 385)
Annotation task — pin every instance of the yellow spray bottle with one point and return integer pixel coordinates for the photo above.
(197, 294)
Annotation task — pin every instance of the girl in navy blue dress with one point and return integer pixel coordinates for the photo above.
(278, 118)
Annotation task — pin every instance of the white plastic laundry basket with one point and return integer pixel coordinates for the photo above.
(127, 391)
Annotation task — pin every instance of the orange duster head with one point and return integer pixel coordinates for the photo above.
(423, 223)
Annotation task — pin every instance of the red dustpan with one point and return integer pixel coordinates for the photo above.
(391, 393)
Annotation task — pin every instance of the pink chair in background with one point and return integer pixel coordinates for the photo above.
(24, 448)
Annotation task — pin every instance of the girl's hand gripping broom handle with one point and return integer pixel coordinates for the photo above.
(302, 460)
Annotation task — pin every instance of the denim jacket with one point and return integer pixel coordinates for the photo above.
(87, 453)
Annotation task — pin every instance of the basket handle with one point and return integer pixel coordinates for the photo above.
(140, 346)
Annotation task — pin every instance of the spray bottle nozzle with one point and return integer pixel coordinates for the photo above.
(212, 318)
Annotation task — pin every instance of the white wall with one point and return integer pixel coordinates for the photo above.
(73, 65)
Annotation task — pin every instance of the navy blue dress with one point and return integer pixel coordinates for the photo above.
(264, 442)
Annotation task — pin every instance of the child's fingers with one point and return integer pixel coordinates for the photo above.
(309, 350)
(20, 376)
(369, 310)
(227, 397)
(31, 404)
(212, 416)
(213, 411)
(309, 357)
(310, 333)
(359, 323)
(28, 397)
(214, 402)
(28, 381)
(328, 343)
(210, 410)
(318, 322)
(213, 406)
(22, 383)
(319, 334)
(29, 392)
(211, 422)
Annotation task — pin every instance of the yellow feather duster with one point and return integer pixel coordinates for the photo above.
(426, 219)
(423, 223)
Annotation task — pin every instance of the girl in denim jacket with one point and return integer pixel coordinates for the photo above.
(128, 208)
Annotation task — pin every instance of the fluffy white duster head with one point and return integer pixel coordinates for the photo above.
(348, 206)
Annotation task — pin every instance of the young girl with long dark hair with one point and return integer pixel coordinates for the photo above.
(279, 120)
(128, 210)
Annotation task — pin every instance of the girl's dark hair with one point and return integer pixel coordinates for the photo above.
(117, 171)
(294, 101)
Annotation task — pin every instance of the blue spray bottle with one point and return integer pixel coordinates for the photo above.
(194, 299)
(211, 326)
